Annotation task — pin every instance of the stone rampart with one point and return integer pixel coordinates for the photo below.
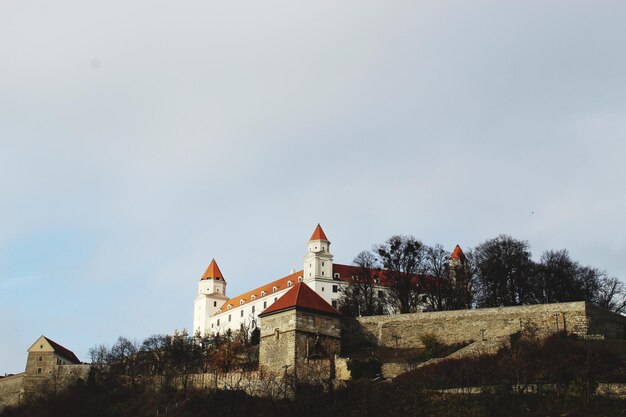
(405, 330)
(11, 390)
(24, 385)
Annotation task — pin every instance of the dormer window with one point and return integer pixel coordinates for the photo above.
(300, 279)
(262, 293)
(274, 288)
(253, 297)
(230, 306)
(336, 275)
(289, 283)
(241, 302)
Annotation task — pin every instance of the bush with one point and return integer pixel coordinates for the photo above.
(369, 368)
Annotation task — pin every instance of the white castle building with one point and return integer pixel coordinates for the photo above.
(215, 312)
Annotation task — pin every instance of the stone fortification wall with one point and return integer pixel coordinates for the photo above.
(292, 337)
(404, 331)
(25, 385)
(278, 341)
(55, 380)
(10, 390)
(317, 335)
(604, 323)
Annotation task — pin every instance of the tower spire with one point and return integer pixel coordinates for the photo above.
(457, 253)
(213, 272)
(318, 234)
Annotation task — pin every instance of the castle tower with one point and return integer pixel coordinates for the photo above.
(299, 328)
(211, 296)
(460, 277)
(318, 262)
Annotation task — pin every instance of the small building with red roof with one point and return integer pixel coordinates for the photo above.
(299, 328)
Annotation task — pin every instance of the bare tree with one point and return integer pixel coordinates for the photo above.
(439, 289)
(611, 295)
(504, 268)
(363, 297)
(403, 258)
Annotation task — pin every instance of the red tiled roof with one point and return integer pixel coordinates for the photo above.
(301, 296)
(346, 273)
(213, 271)
(457, 253)
(318, 234)
(62, 351)
(267, 289)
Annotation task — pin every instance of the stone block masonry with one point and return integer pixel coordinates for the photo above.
(11, 390)
(404, 331)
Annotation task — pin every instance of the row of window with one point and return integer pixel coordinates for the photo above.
(263, 294)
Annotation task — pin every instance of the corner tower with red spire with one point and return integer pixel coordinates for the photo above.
(461, 279)
(211, 297)
(318, 262)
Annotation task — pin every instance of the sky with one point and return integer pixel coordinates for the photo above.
(139, 140)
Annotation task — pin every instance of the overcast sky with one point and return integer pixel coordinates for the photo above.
(141, 139)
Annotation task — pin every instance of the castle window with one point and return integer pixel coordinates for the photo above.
(264, 304)
(218, 322)
(214, 303)
(229, 317)
(380, 293)
(322, 263)
(277, 334)
(322, 272)
(322, 289)
(252, 309)
(40, 359)
(334, 302)
(316, 248)
(38, 370)
(335, 288)
(241, 315)
(40, 346)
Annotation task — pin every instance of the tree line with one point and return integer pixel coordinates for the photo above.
(497, 272)
(169, 361)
